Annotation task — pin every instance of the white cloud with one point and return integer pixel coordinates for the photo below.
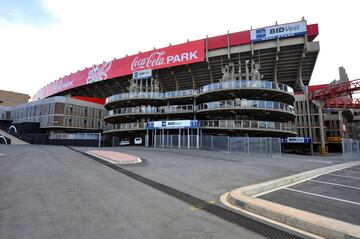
(88, 32)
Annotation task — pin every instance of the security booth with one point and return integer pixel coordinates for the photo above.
(299, 145)
(173, 134)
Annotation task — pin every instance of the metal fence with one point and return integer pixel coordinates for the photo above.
(269, 147)
(351, 149)
(83, 136)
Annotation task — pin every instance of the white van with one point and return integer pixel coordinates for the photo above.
(138, 141)
(124, 142)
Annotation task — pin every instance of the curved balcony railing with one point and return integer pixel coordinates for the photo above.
(242, 84)
(180, 93)
(231, 124)
(176, 109)
(247, 124)
(246, 104)
(235, 84)
(152, 110)
(126, 126)
(135, 95)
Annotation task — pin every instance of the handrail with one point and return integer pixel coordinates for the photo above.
(239, 124)
(234, 84)
(248, 104)
(237, 103)
(152, 110)
(247, 124)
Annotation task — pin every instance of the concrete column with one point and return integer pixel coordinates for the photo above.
(155, 138)
(309, 121)
(320, 104)
(341, 122)
(197, 138)
(162, 137)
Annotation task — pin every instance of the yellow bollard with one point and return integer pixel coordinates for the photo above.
(324, 151)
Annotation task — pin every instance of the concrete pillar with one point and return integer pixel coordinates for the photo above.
(309, 121)
(320, 104)
(341, 122)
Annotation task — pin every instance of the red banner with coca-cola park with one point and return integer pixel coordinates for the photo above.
(181, 54)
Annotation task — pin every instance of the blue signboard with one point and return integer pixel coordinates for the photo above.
(296, 140)
(279, 31)
(173, 124)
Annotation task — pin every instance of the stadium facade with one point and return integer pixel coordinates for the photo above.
(240, 83)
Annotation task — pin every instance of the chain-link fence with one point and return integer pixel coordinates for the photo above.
(351, 149)
(259, 146)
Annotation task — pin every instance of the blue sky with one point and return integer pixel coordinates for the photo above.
(25, 11)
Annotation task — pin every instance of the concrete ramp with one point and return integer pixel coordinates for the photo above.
(14, 140)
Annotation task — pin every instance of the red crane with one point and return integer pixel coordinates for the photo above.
(331, 92)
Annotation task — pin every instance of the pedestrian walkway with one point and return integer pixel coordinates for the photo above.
(115, 157)
(14, 140)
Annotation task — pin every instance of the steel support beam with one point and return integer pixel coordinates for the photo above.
(276, 60)
(192, 77)
(177, 85)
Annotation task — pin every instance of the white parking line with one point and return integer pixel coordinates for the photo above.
(344, 176)
(350, 171)
(335, 184)
(2, 154)
(323, 196)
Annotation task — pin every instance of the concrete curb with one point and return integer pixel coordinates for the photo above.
(243, 198)
(135, 161)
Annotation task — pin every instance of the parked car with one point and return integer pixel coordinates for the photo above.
(124, 142)
(138, 141)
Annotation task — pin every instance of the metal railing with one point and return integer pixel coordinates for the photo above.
(127, 126)
(248, 104)
(176, 109)
(134, 95)
(247, 124)
(231, 124)
(234, 84)
(255, 146)
(180, 93)
(351, 149)
(241, 84)
(82, 136)
(152, 110)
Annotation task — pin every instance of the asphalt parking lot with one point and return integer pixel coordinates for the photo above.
(56, 192)
(335, 195)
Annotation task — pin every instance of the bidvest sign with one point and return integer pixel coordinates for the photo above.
(144, 74)
(173, 124)
(278, 31)
(296, 140)
(181, 54)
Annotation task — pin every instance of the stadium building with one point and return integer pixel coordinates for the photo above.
(240, 83)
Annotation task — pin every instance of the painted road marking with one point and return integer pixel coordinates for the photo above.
(344, 176)
(2, 154)
(350, 171)
(323, 196)
(335, 184)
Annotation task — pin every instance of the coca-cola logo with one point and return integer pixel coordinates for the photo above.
(158, 58)
(155, 59)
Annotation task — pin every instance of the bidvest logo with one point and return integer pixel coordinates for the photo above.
(260, 33)
(284, 29)
(278, 31)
